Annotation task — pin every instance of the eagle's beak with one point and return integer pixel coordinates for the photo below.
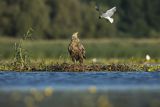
(76, 33)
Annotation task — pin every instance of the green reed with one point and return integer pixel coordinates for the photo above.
(21, 56)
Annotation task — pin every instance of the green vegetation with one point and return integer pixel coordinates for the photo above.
(21, 58)
(100, 49)
(56, 65)
(60, 18)
(102, 55)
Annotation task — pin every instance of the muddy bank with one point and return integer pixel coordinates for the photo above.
(100, 67)
(66, 67)
(95, 67)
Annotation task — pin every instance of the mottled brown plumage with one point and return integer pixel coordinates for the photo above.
(76, 49)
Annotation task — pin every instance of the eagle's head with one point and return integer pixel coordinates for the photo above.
(75, 36)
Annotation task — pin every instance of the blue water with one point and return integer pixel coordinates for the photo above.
(71, 80)
(85, 89)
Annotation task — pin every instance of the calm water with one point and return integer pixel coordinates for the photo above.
(81, 80)
(89, 89)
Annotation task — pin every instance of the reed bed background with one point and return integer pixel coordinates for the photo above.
(95, 48)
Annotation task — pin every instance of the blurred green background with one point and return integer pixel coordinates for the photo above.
(134, 33)
(60, 18)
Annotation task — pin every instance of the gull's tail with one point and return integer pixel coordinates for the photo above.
(110, 19)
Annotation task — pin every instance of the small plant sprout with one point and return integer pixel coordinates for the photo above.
(28, 34)
(148, 58)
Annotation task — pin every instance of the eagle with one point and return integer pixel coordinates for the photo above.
(76, 49)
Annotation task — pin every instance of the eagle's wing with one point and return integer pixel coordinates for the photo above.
(109, 12)
(69, 49)
(82, 50)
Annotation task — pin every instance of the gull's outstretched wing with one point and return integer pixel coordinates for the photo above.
(109, 12)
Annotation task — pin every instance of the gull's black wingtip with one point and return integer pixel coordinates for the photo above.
(97, 7)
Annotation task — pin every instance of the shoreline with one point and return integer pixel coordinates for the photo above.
(66, 67)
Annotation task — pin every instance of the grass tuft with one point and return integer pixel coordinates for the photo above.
(21, 57)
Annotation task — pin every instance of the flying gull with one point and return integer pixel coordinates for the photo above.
(108, 14)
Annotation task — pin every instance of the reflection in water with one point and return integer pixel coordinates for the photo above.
(103, 102)
(48, 91)
(92, 89)
(80, 89)
(85, 98)
(37, 95)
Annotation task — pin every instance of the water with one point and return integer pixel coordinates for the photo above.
(85, 89)
(71, 80)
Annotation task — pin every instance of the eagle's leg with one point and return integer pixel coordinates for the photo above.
(81, 61)
(74, 60)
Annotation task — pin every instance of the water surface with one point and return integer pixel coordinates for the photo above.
(85, 89)
(71, 80)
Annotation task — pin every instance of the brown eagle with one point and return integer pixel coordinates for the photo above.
(76, 49)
